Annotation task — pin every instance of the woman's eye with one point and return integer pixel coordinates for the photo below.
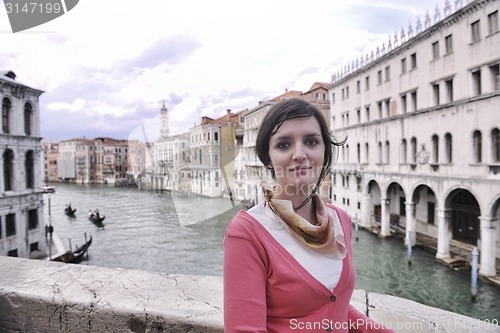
(283, 145)
(312, 142)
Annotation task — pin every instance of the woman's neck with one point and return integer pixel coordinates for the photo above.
(307, 210)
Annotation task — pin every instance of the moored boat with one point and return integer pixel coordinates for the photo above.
(48, 188)
(76, 256)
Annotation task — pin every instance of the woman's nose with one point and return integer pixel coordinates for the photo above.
(299, 153)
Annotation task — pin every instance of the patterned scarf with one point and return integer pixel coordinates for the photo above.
(326, 237)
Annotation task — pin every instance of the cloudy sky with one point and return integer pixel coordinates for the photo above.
(108, 66)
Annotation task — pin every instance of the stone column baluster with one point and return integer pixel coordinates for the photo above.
(488, 244)
(366, 216)
(385, 230)
(411, 223)
(444, 233)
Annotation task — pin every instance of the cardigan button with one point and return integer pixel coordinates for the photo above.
(333, 298)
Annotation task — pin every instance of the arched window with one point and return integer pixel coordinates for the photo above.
(6, 105)
(404, 152)
(448, 148)
(495, 145)
(477, 146)
(413, 150)
(435, 149)
(8, 169)
(30, 169)
(28, 114)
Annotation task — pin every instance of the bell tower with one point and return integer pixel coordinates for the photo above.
(163, 121)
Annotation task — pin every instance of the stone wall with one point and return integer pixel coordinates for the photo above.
(43, 296)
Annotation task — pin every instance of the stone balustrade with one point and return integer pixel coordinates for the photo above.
(43, 296)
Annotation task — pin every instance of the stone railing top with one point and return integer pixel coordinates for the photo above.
(43, 296)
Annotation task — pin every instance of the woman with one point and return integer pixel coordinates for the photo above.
(288, 260)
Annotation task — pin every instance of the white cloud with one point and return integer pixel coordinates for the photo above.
(116, 61)
(76, 106)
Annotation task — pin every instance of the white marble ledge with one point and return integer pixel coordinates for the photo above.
(42, 296)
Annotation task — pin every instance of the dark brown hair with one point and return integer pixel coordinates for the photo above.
(294, 108)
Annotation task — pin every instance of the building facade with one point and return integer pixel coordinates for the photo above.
(49, 161)
(22, 230)
(423, 127)
(213, 146)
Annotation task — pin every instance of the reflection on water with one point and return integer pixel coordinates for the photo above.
(152, 231)
(382, 267)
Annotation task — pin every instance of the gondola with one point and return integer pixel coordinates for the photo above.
(76, 256)
(96, 218)
(68, 210)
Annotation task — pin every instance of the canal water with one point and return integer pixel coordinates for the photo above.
(155, 231)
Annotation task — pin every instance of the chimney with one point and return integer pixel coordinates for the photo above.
(228, 115)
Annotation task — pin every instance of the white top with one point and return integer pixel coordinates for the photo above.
(324, 269)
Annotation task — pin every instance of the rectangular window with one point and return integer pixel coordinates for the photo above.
(358, 87)
(448, 41)
(414, 101)
(216, 136)
(10, 221)
(476, 83)
(333, 98)
(495, 77)
(413, 61)
(343, 93)
(435, 50)
(435, 93)
(493, 22)
(388, 107)
(34, 247)
(404, 105)
(358, 113)
(431, 207)
(403, 65)
(367, 112)
(32, 219)
(402, 206)
(379, 77)
(380, 114)
(449, 90)
(475, 31)
(367, 83)
(347, 92)
(388, 73)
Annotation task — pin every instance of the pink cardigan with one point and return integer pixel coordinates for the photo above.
(267, 290)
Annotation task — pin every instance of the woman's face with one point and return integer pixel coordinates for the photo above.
(297, 152)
